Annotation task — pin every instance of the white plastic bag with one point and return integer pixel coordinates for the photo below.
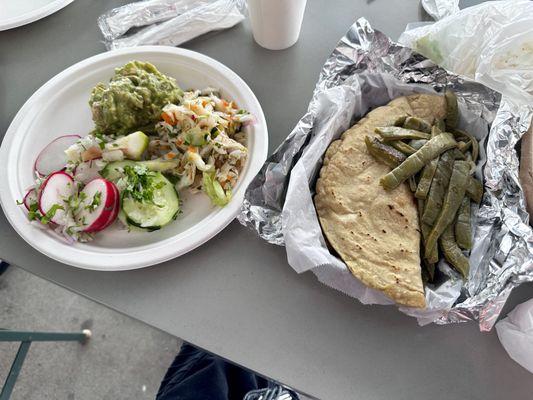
(516, 334)
(491, 43)
(439, 9)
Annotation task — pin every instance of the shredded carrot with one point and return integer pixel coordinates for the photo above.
(179, 142)
(168, 118)
(192, 149)
(170, 155)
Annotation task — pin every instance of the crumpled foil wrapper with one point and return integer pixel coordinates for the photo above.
(116, 22)
(502, 254)
(167, 22)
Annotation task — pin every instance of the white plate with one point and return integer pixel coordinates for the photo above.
(15, 13)
(60, 107)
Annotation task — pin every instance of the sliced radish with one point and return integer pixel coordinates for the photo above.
(30, 198)
(52, 157)
(113, 216)
(87, 171)
(56, 189)
(105, 210)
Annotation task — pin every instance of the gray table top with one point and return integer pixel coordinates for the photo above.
(236, 296)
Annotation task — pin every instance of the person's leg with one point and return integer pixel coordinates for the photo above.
(241, 381)
(195, 375)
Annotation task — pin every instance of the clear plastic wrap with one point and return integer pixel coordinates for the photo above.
(168, 22)
(491, 43)
(439, 9)
(367, 69)
(516, 334)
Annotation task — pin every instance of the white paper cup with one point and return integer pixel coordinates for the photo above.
(276, 23)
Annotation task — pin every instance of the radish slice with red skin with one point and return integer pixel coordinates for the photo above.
(30, 198)
(105, 212)
(116, 210)
(113, 216)
(56, 189)
(52, 157)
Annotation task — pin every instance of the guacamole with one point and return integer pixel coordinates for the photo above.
(133, 99)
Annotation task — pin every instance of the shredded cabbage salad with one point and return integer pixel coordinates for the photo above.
(204, 134)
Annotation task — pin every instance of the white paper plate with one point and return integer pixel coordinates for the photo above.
(15, 13)
(60, 107)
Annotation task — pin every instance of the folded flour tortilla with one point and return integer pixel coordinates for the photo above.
(376, 232)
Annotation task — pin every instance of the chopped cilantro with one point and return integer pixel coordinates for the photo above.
(50, 213)
(97, 134)
(34, 212)
(97, 199)
(75, 200)
(141, 183)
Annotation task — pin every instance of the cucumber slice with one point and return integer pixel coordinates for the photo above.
(153, 216)
(133, 145)
(114, 170)
(122, 218)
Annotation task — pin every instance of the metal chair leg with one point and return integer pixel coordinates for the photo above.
(26, 338)
(9, 384)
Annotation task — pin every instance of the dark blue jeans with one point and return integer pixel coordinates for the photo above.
(196, 375)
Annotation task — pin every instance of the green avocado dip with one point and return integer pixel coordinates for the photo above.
(133, 99)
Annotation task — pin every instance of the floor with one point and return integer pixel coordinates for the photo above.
(125, 359)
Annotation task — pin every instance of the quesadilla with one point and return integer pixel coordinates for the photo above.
(375, 232)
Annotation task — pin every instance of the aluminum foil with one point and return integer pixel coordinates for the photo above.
(167, 22)
(502, 255)
(116, 22)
